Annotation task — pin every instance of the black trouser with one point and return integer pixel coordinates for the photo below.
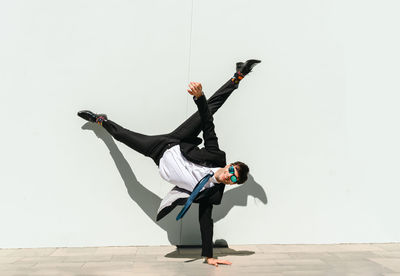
(154, 145)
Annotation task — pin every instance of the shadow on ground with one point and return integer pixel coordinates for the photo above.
(188, 232)
(221, 249)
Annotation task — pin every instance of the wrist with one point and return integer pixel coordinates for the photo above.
(198, 96)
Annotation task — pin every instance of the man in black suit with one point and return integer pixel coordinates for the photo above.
(183, 163)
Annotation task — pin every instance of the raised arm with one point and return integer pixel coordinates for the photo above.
(209, 135)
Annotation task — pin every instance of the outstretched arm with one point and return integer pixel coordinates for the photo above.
(207, 229)
(211, 144)
(209, 135)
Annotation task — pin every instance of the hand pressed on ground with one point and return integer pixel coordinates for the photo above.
(215, 262)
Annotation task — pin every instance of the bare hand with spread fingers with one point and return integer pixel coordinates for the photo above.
(195, 89)
(212, 261)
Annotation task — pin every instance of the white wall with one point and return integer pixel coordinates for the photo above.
(317, 121)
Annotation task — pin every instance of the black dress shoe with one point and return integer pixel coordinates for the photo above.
(90, 116)
(239, 65)
(248, 66)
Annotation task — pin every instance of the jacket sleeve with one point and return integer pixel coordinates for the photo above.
(207, 123)
(206, 229)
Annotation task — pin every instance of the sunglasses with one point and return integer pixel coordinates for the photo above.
(232, 171)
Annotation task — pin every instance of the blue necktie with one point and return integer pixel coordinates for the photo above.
(193, 195)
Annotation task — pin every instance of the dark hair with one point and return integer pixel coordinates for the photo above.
(242, 170)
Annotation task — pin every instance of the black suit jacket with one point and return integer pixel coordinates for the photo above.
(209, 156)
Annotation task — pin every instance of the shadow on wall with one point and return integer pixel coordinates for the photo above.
(149, 201)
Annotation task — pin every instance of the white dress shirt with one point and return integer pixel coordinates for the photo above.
(177, 170)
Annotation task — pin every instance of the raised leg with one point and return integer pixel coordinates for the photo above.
(148, 145)
(154, 145)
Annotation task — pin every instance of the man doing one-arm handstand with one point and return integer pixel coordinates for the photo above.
(200, 175)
